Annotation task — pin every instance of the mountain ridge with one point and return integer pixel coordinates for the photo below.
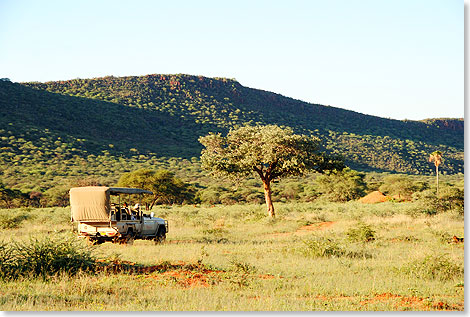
(163, 115)
(224, 79)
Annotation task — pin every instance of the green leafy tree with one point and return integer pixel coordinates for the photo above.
(8, 195)
(166, 188)
(57, 196)
(342, 185)
(436, 157)
(398, 185)
(269, 151)
(451, 198)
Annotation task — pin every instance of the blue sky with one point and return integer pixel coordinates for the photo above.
(401, 59)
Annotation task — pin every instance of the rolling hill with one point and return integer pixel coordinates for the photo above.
(67, 126)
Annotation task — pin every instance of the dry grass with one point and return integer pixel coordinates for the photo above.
(234, 258)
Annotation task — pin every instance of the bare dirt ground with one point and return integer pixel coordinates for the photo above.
(304, 229)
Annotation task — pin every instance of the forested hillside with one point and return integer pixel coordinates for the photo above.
(69, 126)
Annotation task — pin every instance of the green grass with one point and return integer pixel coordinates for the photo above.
(313, 256)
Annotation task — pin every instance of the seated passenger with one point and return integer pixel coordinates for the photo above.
(136, 207)
(125, 208)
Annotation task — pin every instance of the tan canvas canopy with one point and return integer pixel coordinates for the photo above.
(92, 203)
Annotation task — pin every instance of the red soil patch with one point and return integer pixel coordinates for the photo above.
(412, 302)
(374, 197)
(188, 279)
(316, 226)
(186, 275)
(266, 276)
(399, 302)
(305, 229)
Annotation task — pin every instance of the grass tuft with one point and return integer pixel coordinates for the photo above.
(438, 267)
(361, 233)
(44, 258)
(12, 221)
(322, 247)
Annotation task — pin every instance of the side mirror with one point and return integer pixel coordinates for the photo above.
(152, 214)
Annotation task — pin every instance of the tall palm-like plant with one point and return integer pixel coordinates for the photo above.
(436, 157)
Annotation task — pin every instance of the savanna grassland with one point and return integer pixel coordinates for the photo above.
(324, 250)
(312, 256)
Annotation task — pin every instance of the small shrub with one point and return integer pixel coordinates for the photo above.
(362, 233)
(435, 267)
(341, 186)
(214, 235)
(242, 270)
(322, 247)
(12, 221)
(441, 235)
(242, 267)
(360, 254)
(430, 212)
(8, 263)
(450, 198)
(215, 231)
(44, 258)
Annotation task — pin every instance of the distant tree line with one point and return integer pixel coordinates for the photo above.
(342, 186)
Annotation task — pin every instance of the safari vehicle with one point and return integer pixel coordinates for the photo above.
(101, 216)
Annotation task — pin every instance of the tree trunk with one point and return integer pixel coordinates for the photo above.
(267, 196)
(153, 202)
(437, 181)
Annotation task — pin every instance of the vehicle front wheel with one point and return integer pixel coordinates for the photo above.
(129, 240)
(159, 239)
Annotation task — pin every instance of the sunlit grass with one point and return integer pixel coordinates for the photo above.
(282, 273)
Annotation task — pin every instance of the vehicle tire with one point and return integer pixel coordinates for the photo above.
(91, 241)
(129, 237)
(129, 240)
(161, 236)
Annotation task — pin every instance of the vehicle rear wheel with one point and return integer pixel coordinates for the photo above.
(91, 241)
(129, 239)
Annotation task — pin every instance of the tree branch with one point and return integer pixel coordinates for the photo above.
(260, 172)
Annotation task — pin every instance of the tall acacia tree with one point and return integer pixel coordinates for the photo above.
(436, 157)
(269, 151)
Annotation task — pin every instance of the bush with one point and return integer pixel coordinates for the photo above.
(400, 186)
(215, 235)
(362, 233)
(8, 263)
(341, 186)
(242, 267)
(211, 195)
(12, 221)
(44, 258)
(322, 247)
(242, 271)
(450, 198)
(435, 267)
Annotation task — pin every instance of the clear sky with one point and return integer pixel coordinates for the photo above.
(401, 59)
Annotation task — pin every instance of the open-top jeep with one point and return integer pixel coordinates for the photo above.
(101, 215)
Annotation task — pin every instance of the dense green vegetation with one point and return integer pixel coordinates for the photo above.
(56, 134)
